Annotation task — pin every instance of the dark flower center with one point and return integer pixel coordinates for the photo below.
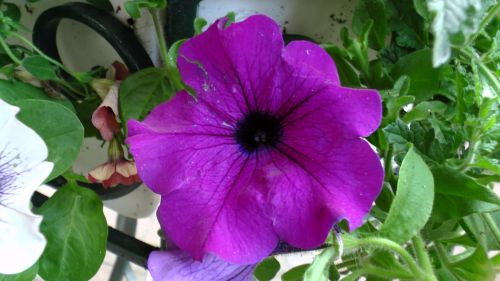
(258, 129)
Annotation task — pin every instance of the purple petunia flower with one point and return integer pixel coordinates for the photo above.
(177, 265)
(269, 150)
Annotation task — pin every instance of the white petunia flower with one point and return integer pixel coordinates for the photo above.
(22, 170)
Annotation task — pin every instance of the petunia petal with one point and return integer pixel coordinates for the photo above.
(230, 67)
(308, 54)
(308, 101)
(223, 213)
(327, 181)
(21, 241)
(181, 137)
(179, 266)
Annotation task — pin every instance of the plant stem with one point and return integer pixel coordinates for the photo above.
(42, 54)
(387, 244)
(443, 256)
(159, 36)
(486, 20)
(8, 51)
(492, 225)
(422, 256)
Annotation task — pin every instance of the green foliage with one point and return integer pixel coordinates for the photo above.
(412, 205)
(267, 269)
(63, 140)
(76, 232)
(376, 11)
(13, 91)
(454, 22)
(28, 274)
(142, 91)
(199, 23)
(424, 79)
(133, 7)
(40, 68)
(435, 64)
(295, 273)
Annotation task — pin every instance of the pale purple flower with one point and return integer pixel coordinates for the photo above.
(270, 149)
(177, 265)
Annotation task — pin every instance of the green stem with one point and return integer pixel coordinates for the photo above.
(8, 51)
(492, 225)
(486, 20)
(422, 256)
(441, 251)
(387, 244)
(159, 36)
(39, 52)
(471, 152)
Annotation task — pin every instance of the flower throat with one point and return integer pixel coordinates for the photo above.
(258, 129)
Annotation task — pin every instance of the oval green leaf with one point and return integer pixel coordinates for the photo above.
(412, 205)
(76, 232)
(141, 92)
(39, 67)
(58, 127)
(12, 92)
(295, 273)
(267, 269)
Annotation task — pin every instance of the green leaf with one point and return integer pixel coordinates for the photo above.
(348, 77)
(12, 92)
(454, 22)
(479, 231)
(424, 109)
(28, 274)
(448, 207)
(83, 77)
(174, 75)
(476, 266)
(76, 232)
(487, 163)
(58, 127)
(295, 273)
(132, 9)
(424, 79)
(39, 67)
(133, 6)
(376, 11)
(199, 23)
(141, 92)
(451, 182)
(267, 269)
(319, 270)
(412, 204)
(12, 11)
(398, 133)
